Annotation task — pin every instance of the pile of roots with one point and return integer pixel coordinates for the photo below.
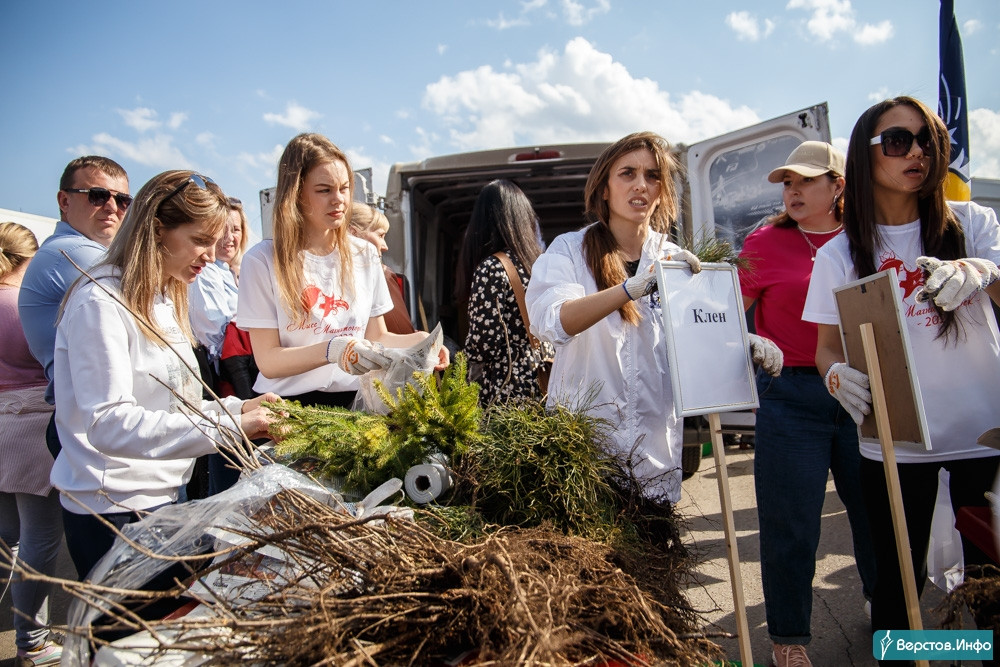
(389, 591)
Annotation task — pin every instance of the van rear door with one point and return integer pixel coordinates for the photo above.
(727, 175)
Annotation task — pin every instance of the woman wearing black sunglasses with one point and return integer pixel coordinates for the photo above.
(945, 255)
(128, 403)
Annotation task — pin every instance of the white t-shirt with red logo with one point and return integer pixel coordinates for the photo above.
(331, 313)
(959, 380)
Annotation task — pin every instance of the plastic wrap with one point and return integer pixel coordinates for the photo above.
(193, 529)
(421, 358)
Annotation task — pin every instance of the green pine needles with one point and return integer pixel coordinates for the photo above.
(538, 466)
(364, 450)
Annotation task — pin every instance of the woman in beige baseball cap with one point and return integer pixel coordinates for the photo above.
(802, 432)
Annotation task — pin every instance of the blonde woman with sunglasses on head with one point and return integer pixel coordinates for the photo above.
(945, 255)
(313, 299)
(128, 406)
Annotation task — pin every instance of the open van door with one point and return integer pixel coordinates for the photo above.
(727, 175)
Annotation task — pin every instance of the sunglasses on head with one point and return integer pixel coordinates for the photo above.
(201, 181)
(100, 196)
(896, 141)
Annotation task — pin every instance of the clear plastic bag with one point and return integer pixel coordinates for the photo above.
(193, 529)
(945, 558)
(422, 358)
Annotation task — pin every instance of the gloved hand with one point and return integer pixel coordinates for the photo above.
(766, 354)
(644, 281)
(950, 282)
(641, 284)
(685, 256)
(850, 387)
(356, 356)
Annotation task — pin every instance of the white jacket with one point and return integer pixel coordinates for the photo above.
(613, 370)
(122, 432)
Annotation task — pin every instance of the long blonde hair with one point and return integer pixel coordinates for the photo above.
(136, 251)
(17, 245)
(302, 155)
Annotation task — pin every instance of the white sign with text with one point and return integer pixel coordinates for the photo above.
(706, 336)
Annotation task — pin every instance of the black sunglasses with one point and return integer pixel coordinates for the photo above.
(896, 141)
(201, 181)
(100, 196)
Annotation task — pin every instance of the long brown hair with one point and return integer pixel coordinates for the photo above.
(604, 256)
(941, 233)
(302, 154)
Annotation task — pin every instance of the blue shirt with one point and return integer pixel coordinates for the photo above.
(211, 306)
(48, 277)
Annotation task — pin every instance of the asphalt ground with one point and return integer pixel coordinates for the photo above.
(841, 634)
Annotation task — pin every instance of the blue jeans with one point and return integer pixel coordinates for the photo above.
(802, 434)
(32, 526)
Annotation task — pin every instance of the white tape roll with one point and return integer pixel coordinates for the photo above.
(426, 482)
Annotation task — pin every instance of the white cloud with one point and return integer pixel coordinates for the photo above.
(879, 95)
(530, 5)
(441, 48)
(296, 117)
(502, 23)
(140, 119)
(577, 14)
(869, 34)
(386, 139)
(206, 139)
(176, 119)
(831, 17)
(581, 94)
(840, 143)
(984, 143)
(265, 163)
(747, 27)
(157, 151)
(972, 26)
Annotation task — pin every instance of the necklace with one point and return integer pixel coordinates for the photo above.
(812, 247)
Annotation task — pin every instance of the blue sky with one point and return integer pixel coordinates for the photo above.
(221, 87)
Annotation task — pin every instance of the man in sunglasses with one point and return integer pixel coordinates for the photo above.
(93, 197)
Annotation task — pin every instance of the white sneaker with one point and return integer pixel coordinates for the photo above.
(790, 655)
(868, 609)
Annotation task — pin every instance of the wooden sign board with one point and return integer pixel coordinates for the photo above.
(875, 299)
(706, 336)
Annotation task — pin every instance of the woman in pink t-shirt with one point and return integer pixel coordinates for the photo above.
(30, 513)
(802, 433)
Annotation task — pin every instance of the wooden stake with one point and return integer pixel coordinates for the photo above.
(732, 552)
(892, 482)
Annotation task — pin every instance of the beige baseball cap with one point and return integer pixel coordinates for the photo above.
(811, 158)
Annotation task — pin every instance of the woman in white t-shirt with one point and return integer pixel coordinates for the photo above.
(313, 298)
(945, 255)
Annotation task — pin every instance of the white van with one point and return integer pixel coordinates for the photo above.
(725, 194)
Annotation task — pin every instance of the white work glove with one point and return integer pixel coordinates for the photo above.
(356, 356)
(951, 282)
(850, 387)
(766, 354)
(685, 256)
(644, 281)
